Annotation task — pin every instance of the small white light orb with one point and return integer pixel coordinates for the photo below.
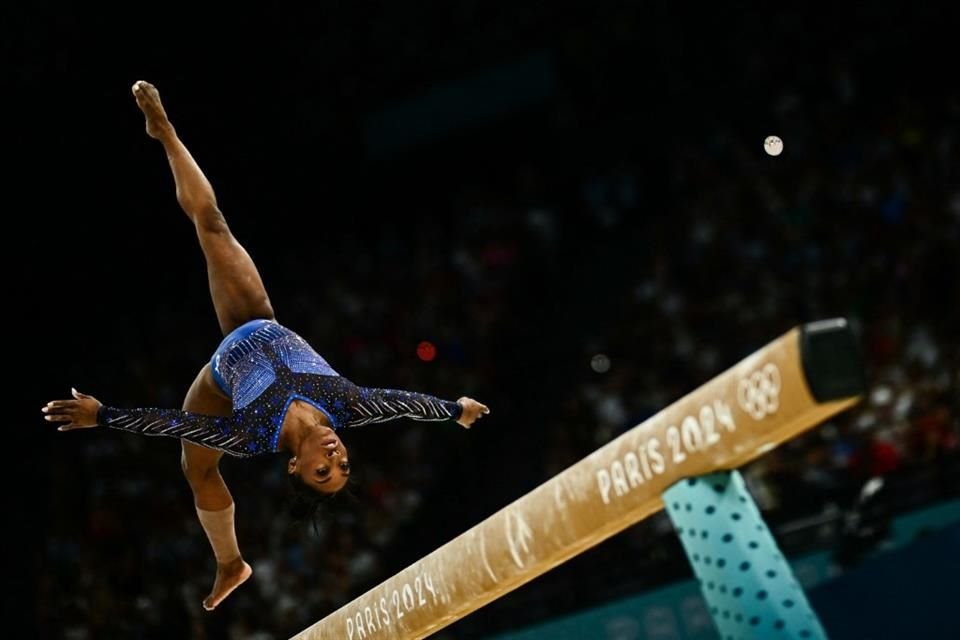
(773, 145)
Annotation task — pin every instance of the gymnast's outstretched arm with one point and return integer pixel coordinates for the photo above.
(382, 405)
(213, 432)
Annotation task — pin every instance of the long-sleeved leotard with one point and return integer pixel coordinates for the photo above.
(264, 371)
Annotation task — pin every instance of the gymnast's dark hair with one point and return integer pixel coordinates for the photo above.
(305, 502)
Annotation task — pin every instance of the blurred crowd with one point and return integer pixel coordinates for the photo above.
(577, 288)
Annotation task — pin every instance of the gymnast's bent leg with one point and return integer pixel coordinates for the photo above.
(211, 497)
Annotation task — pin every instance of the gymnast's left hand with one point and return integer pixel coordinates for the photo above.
(79, 413)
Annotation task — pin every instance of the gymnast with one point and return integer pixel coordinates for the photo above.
(265, 389)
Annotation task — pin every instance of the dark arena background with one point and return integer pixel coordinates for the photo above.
(564, 210)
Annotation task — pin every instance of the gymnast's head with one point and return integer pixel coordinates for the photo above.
(321, 464)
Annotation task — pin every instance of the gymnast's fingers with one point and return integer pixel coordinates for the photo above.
(61, 404)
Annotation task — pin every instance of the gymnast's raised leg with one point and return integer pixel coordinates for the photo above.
(238, 296)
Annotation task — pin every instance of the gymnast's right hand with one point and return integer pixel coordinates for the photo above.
(79, 413)
(471, 411)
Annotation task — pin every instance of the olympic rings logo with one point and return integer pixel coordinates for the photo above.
(759, 393)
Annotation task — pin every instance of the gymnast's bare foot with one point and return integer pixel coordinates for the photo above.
(229, 576)
(148, 99)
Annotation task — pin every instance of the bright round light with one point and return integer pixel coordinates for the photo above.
(773, 145)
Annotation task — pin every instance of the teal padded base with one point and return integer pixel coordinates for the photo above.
(749, 587)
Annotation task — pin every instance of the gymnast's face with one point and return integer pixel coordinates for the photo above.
(322, 463)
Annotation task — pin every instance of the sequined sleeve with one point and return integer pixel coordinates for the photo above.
(380, 405)
(213, 432)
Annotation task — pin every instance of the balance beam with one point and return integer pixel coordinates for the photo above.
(797, 381)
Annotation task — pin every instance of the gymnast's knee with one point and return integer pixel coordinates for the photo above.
(197, 473)
(209, 221)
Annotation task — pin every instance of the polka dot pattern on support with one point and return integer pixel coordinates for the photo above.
(749, 588)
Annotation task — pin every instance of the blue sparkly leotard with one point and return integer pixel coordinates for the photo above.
(263, 367)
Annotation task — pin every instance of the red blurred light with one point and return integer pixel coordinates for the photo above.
(426, 351)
